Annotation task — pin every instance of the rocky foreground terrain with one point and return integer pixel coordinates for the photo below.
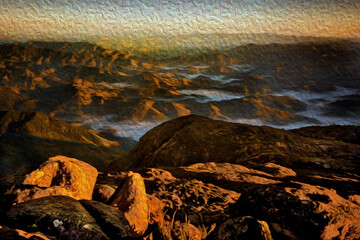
(188, 178)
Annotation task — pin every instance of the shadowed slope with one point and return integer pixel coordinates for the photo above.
(29, 138)
(39, 125)
(192, 139)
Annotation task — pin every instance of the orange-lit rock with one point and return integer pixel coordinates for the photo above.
(343, 214)
(131, 199)
(144, 109)
(155, 209)
(159, 174)
(169, 75)
(60, 175)
(112, 221)
(102, 192)
(147, 65)
(281, 171)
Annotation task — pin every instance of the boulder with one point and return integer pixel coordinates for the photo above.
(59, 216)
(343, 214)
(194, 195)
(111, 220)
(59, 175)
(131, 199)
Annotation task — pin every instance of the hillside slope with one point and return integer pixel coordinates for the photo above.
(29, 138)
(193, 139)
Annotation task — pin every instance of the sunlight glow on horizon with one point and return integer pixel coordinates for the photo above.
(91, 20)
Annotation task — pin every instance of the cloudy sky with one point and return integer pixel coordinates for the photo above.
(93, 20)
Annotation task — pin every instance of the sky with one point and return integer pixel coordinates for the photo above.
(121, 21)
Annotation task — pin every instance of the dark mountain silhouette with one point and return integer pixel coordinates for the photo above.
(193, 139)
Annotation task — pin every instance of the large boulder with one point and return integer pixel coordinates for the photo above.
(111, 220)
(59, 175)
(58, 216)
(131, 199)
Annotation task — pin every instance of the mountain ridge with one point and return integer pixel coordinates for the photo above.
(192, 139)
(39, 125)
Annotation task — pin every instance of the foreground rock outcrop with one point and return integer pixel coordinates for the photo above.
(321, 212)
(186, 203)
(46, 201)
(281, 184)
(283, 179)
(59, 216)
(59, 175)
(286, 212)
(112, 221)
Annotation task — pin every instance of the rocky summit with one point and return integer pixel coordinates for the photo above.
(193, 139)
(196, 178)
